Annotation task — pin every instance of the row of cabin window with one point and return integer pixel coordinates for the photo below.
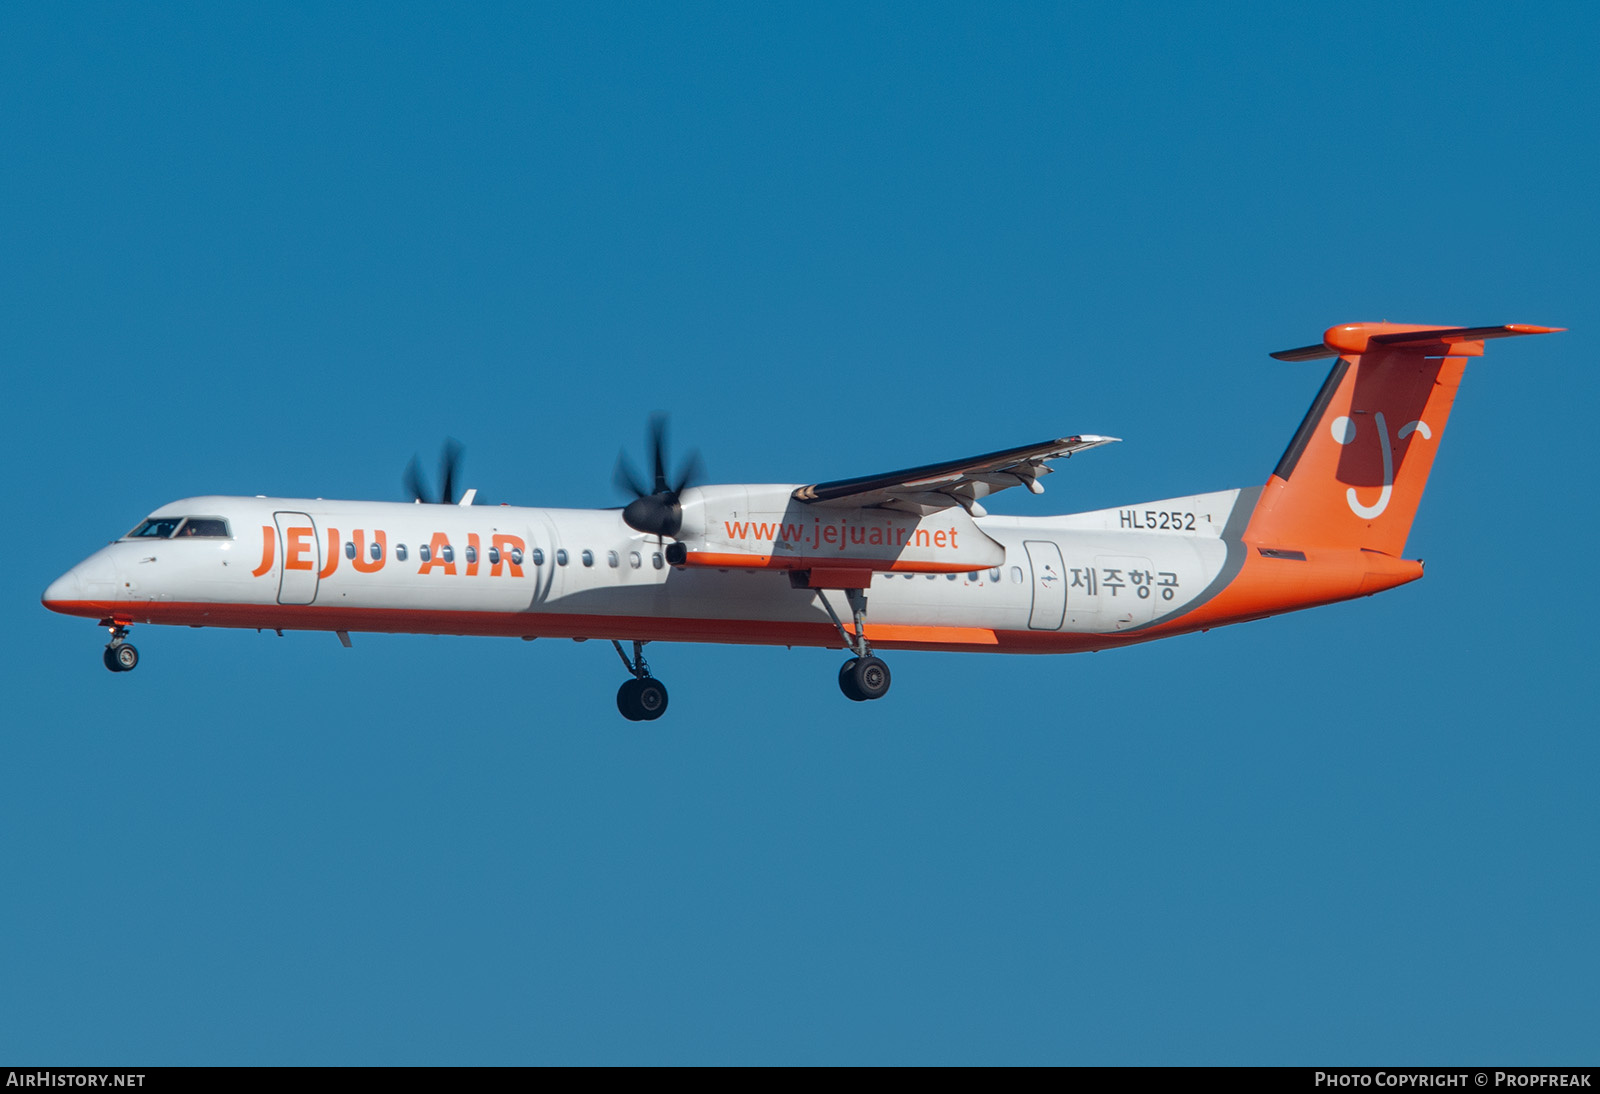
(975, 575)
(164, 527)
(448, 554)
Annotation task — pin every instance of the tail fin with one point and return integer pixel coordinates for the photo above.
(1353, 474)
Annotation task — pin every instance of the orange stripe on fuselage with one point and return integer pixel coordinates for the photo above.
(561, 625)
(1263, 587)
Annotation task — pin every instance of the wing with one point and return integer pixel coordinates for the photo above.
(936, 486)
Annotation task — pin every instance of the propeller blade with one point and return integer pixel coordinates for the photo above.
(690, 473)
(656, 511)
(413, 481)
(449, 465)
(626, 478)
(449, 461)
(658, 450)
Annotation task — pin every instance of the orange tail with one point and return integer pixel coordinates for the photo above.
(1353, 474)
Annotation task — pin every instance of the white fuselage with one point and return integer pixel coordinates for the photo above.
(1054, 583)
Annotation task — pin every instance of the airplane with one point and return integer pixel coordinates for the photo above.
(904, 560)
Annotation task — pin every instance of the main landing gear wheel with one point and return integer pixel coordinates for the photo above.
(642, 700)
(864, 678)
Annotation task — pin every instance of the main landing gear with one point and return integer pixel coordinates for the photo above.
(864, 676)
(120, 655)
(644, 698)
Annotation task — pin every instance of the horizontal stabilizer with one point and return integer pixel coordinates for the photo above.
(1306, 353)
(1357, 338)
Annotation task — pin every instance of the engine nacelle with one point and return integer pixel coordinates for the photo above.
(763, 527)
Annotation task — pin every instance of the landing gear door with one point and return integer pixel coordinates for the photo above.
(1049, 585)
(300, 549)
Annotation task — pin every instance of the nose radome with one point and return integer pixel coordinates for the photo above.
(66, 589)
(89, 588)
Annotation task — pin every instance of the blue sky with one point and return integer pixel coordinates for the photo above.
(279, 251)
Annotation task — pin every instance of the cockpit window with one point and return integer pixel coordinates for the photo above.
(169, 528)
(155, 528)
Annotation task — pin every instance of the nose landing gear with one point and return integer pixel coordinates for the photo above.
(120, 655)
(644, 698)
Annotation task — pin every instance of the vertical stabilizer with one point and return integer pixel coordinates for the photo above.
(1353, 475)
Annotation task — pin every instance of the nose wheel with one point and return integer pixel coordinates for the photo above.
(120, 654)
(644, 698)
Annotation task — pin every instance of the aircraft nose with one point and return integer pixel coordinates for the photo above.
(89, 588)
(64, 590)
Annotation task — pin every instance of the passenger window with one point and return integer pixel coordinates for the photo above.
(588, 557)
(538, 556)
(612, 559)
(472, 553)
(655, 560)
(376, 551)
(634, 560)
(994, 575)
(399, 552)
(155, 528)
(349, 550)
(973, 576)
(561, 557)
(448, 553)
(950, 577)
(1016, 575)
(494, 556)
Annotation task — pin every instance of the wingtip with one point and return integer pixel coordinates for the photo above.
(1303, 353)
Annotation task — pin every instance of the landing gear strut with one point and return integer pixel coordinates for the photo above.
(120, 655)
(864, 676)
(644, 698)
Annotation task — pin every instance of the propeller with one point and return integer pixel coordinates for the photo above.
(449, 462)
(655, 508)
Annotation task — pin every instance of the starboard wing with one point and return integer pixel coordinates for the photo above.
(937, 486)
